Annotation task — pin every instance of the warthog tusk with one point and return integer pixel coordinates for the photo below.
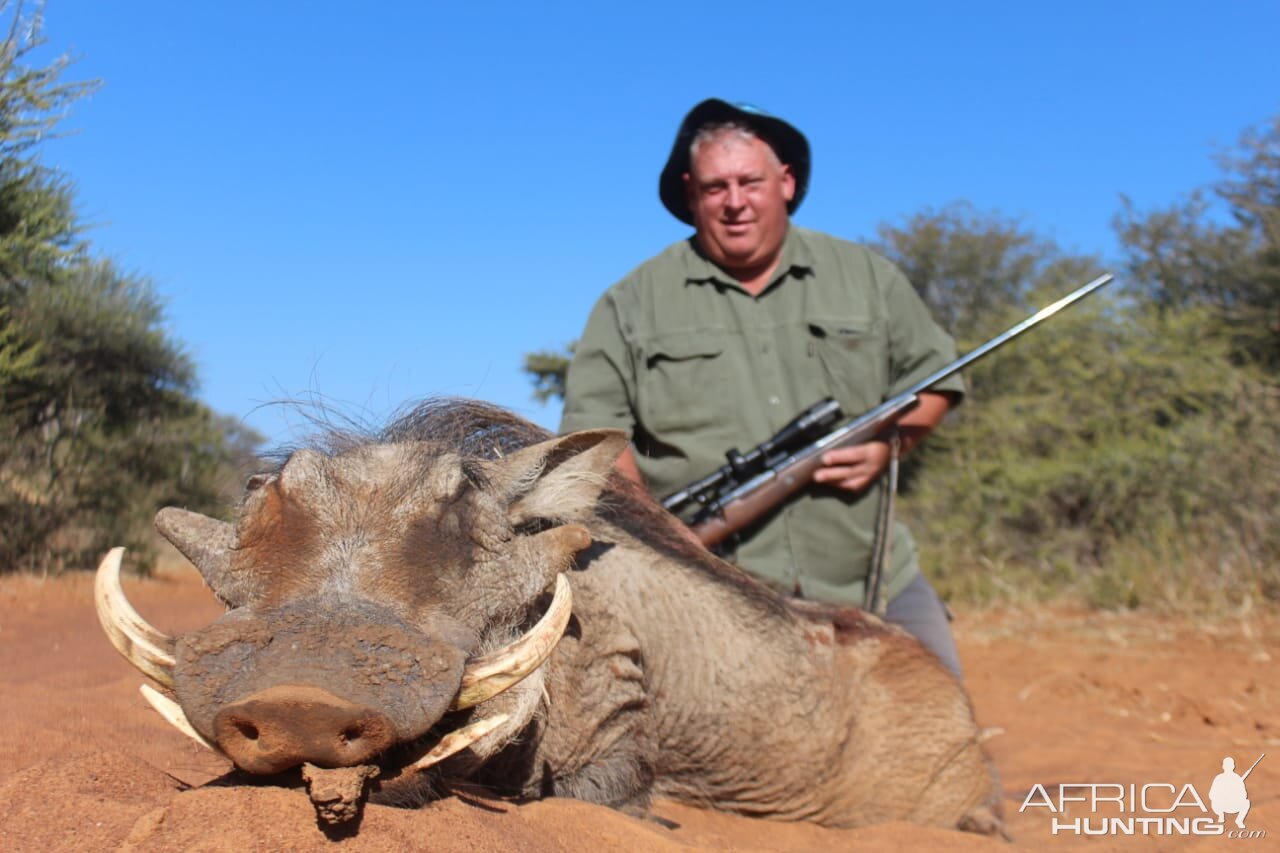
(489, 675)
(142, 645)
(458, 740)
(172, 712)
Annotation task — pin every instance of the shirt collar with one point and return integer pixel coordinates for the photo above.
(797, 261)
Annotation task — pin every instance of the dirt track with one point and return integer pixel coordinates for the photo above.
(1069, 697)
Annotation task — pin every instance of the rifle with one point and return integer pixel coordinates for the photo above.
(752, 484)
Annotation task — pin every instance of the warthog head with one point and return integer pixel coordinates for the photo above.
(391, 602)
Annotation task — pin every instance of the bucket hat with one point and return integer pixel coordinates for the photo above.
(787, 142)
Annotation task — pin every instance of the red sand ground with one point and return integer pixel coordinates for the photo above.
(1073, 698)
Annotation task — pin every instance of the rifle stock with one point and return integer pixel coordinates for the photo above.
(740, 505)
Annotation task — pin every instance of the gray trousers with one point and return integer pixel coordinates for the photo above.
(918, 609)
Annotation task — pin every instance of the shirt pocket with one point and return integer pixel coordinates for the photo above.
(684, 382)
(852, 355)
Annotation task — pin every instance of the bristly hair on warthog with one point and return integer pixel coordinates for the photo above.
(472, 429)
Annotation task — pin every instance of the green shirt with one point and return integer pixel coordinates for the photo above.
(681, 357)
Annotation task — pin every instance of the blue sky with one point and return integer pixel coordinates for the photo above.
(379, 202)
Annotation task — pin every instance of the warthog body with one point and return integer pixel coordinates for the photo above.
(365, 579)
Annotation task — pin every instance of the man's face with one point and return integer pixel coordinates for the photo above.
(738, 194)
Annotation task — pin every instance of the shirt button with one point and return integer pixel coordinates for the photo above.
(774, 401)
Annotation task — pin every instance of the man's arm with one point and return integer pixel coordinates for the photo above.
(855, 468)
(600, 382)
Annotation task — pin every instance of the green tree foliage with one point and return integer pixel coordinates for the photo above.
(98, 423)
(1186, 256)
(1101, 449)
(103, 429)
(38, 228)
(547, 370)
(17, 359)
(973, 269)
(1126, 450)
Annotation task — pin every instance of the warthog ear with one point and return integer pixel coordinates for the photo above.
(559, 478)
(207, 543)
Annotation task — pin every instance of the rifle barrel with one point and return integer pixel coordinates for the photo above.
(1012, 332)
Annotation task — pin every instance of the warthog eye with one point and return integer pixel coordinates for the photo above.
(257, 481)
(533, 526)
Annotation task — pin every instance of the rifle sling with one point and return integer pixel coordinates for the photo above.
(881, 551)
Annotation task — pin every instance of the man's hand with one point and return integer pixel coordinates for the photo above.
(855, 468)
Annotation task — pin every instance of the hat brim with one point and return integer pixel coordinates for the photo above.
(788, 143)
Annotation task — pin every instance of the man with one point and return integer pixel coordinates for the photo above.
(721, 339)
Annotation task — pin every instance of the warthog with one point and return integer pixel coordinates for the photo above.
(466, 597)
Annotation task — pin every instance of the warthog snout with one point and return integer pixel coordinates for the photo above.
(282, 727)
